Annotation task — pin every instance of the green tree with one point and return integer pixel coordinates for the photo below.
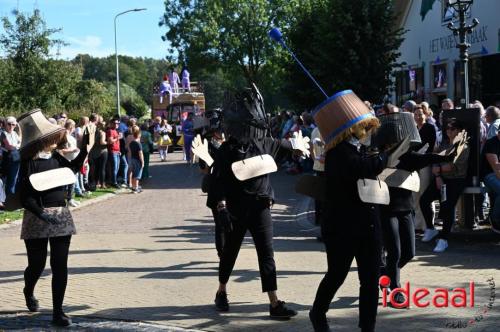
(229, 33)
(89, 97)
(130, 100)
(141, 74)
(26, 43)
(346, 45)
(60, 84)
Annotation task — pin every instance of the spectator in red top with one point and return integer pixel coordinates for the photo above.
(113, 140)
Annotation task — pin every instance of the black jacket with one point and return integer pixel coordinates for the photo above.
(402, 199)
(344, 166)
(35, 201)
(235, 192)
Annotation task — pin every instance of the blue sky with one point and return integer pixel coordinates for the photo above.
(88, 25)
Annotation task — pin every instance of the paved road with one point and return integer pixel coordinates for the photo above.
(151, 258)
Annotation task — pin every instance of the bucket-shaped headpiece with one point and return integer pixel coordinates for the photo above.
(395, 127)
(342, 116)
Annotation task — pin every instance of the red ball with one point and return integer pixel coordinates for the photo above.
(384, 281)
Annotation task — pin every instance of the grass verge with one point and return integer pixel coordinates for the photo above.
(8, 216)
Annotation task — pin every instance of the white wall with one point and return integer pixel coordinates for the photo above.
(428, 39)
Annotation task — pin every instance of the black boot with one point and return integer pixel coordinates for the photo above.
(399, 298)
(31, 301)
(319, 322)
(60, 319)
(221, 302)
(281, 311)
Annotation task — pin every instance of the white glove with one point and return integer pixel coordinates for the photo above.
(200, 149)
(300, 143)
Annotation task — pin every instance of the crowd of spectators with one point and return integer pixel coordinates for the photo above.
(119, 157)
(438, 136)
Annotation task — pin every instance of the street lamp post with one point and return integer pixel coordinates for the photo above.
(116, 57)
(461, 7)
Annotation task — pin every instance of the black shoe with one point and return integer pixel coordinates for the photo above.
(221, 302)
(319, 322)
(31, 301)
(61, 320)
(484, 222)
(495, 225)
(281, 311)
(399, 298)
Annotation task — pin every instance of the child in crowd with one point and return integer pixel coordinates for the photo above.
(136, 159)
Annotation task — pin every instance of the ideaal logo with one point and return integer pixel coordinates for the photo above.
(440, 298)
(423, 297)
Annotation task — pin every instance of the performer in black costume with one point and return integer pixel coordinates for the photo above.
(351, 224)
(46, 219)
(244, 193)
(397, 218)
(215, 137)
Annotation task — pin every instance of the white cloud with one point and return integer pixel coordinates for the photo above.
(91, 45)
(87, 42)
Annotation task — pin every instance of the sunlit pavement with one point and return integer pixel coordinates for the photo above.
(149, 261)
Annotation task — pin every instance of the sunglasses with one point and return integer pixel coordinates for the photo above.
(12, 124)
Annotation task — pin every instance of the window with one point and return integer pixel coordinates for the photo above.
(440, 78)
(409, 84)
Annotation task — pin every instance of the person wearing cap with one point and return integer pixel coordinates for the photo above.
(351, 224)
(11, 157)
(451, 176)
(46, 218)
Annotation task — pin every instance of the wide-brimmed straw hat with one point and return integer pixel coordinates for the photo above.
(36, 131)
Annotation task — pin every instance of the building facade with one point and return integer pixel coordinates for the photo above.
(428, 68)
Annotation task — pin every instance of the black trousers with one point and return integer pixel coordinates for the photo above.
(318, 205)
(454, 188)
(37, 256)
(97, 171)
(343, 245)
(399, 241)
(220, 236)
(256, 218)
